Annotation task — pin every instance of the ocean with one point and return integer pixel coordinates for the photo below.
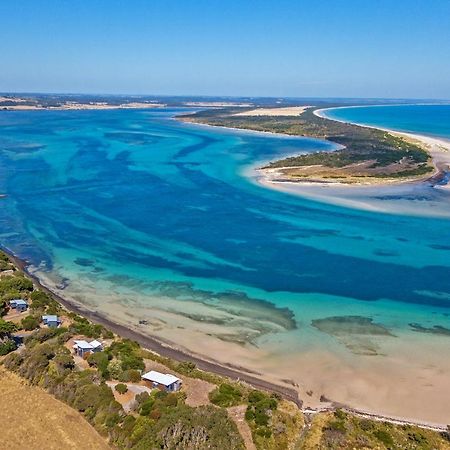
(146, 219)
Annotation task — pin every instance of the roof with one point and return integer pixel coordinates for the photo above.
(160, 378)
(95, 344)
(20, 302)
(51, 318)
(87, 345)
(83, 344)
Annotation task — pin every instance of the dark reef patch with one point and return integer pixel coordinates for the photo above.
(435, 329)
(344, 325)
(84, 262)
(357, 333)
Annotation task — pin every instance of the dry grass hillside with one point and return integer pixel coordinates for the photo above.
(36, 420)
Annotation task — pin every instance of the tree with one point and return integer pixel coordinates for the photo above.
(7, 346)
(6, 328)
(121, 388)
(101, 361)
(30, 323)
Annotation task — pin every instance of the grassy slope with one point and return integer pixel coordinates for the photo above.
(343, 431)
(37, 420)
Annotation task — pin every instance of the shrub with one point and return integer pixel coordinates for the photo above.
(129, 353)
(15, 283)
(339, 414)
(7, 346)
(131, 375)
(30, 323)
(226, 395)
(64, 360)
(336, 425)
(6, 328)
(84, 327)
(99, 360)
(121, 388)
(146, 407)
(384, 437)
(186, 367)
(41, 300)
(130, 362)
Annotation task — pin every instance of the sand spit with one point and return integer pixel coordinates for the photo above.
(82, 106)
(289, 111)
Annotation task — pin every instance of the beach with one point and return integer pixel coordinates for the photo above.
(373, 388)
(374, 194)
(290, 111)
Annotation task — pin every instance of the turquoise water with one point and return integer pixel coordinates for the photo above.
(433, 120)
(134, 209)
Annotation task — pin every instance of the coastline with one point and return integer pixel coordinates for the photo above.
(438, 148)
(428, 143)
(154, 344)
(358, 195)
(167, 349)
(365, 195)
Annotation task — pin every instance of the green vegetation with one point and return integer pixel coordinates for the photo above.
(346, 431)
(164, 420)
(121, 388)
(83, 326)
(7, 344)
(30, 323)
(128, 353)
(227, 395)
(43, 303)
(382, 154)
(100, 360)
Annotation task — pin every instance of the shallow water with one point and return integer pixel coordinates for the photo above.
(137, 215)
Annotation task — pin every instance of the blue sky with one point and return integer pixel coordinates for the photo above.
(338, 48)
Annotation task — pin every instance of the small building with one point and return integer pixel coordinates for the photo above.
(163, 381)
(84, 348)
(19, 305)
(51, 321)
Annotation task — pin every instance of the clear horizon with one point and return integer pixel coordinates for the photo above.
(338, 49)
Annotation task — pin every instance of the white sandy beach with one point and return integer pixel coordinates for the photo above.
(375, 196)
(290, 111)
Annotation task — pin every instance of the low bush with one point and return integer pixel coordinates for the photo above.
(226, 395)
(121, 388)
(7, 346)
(30, 323)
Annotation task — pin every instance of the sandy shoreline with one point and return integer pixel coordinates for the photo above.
(255, 378)
(289, 111)
(365, 195)
(152, 343)
(82, 107)
(438, 148)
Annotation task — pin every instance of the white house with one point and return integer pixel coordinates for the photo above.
(167, 382)
(83, 348)
(51, 321)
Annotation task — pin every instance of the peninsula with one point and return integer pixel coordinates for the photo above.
(363, 155)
